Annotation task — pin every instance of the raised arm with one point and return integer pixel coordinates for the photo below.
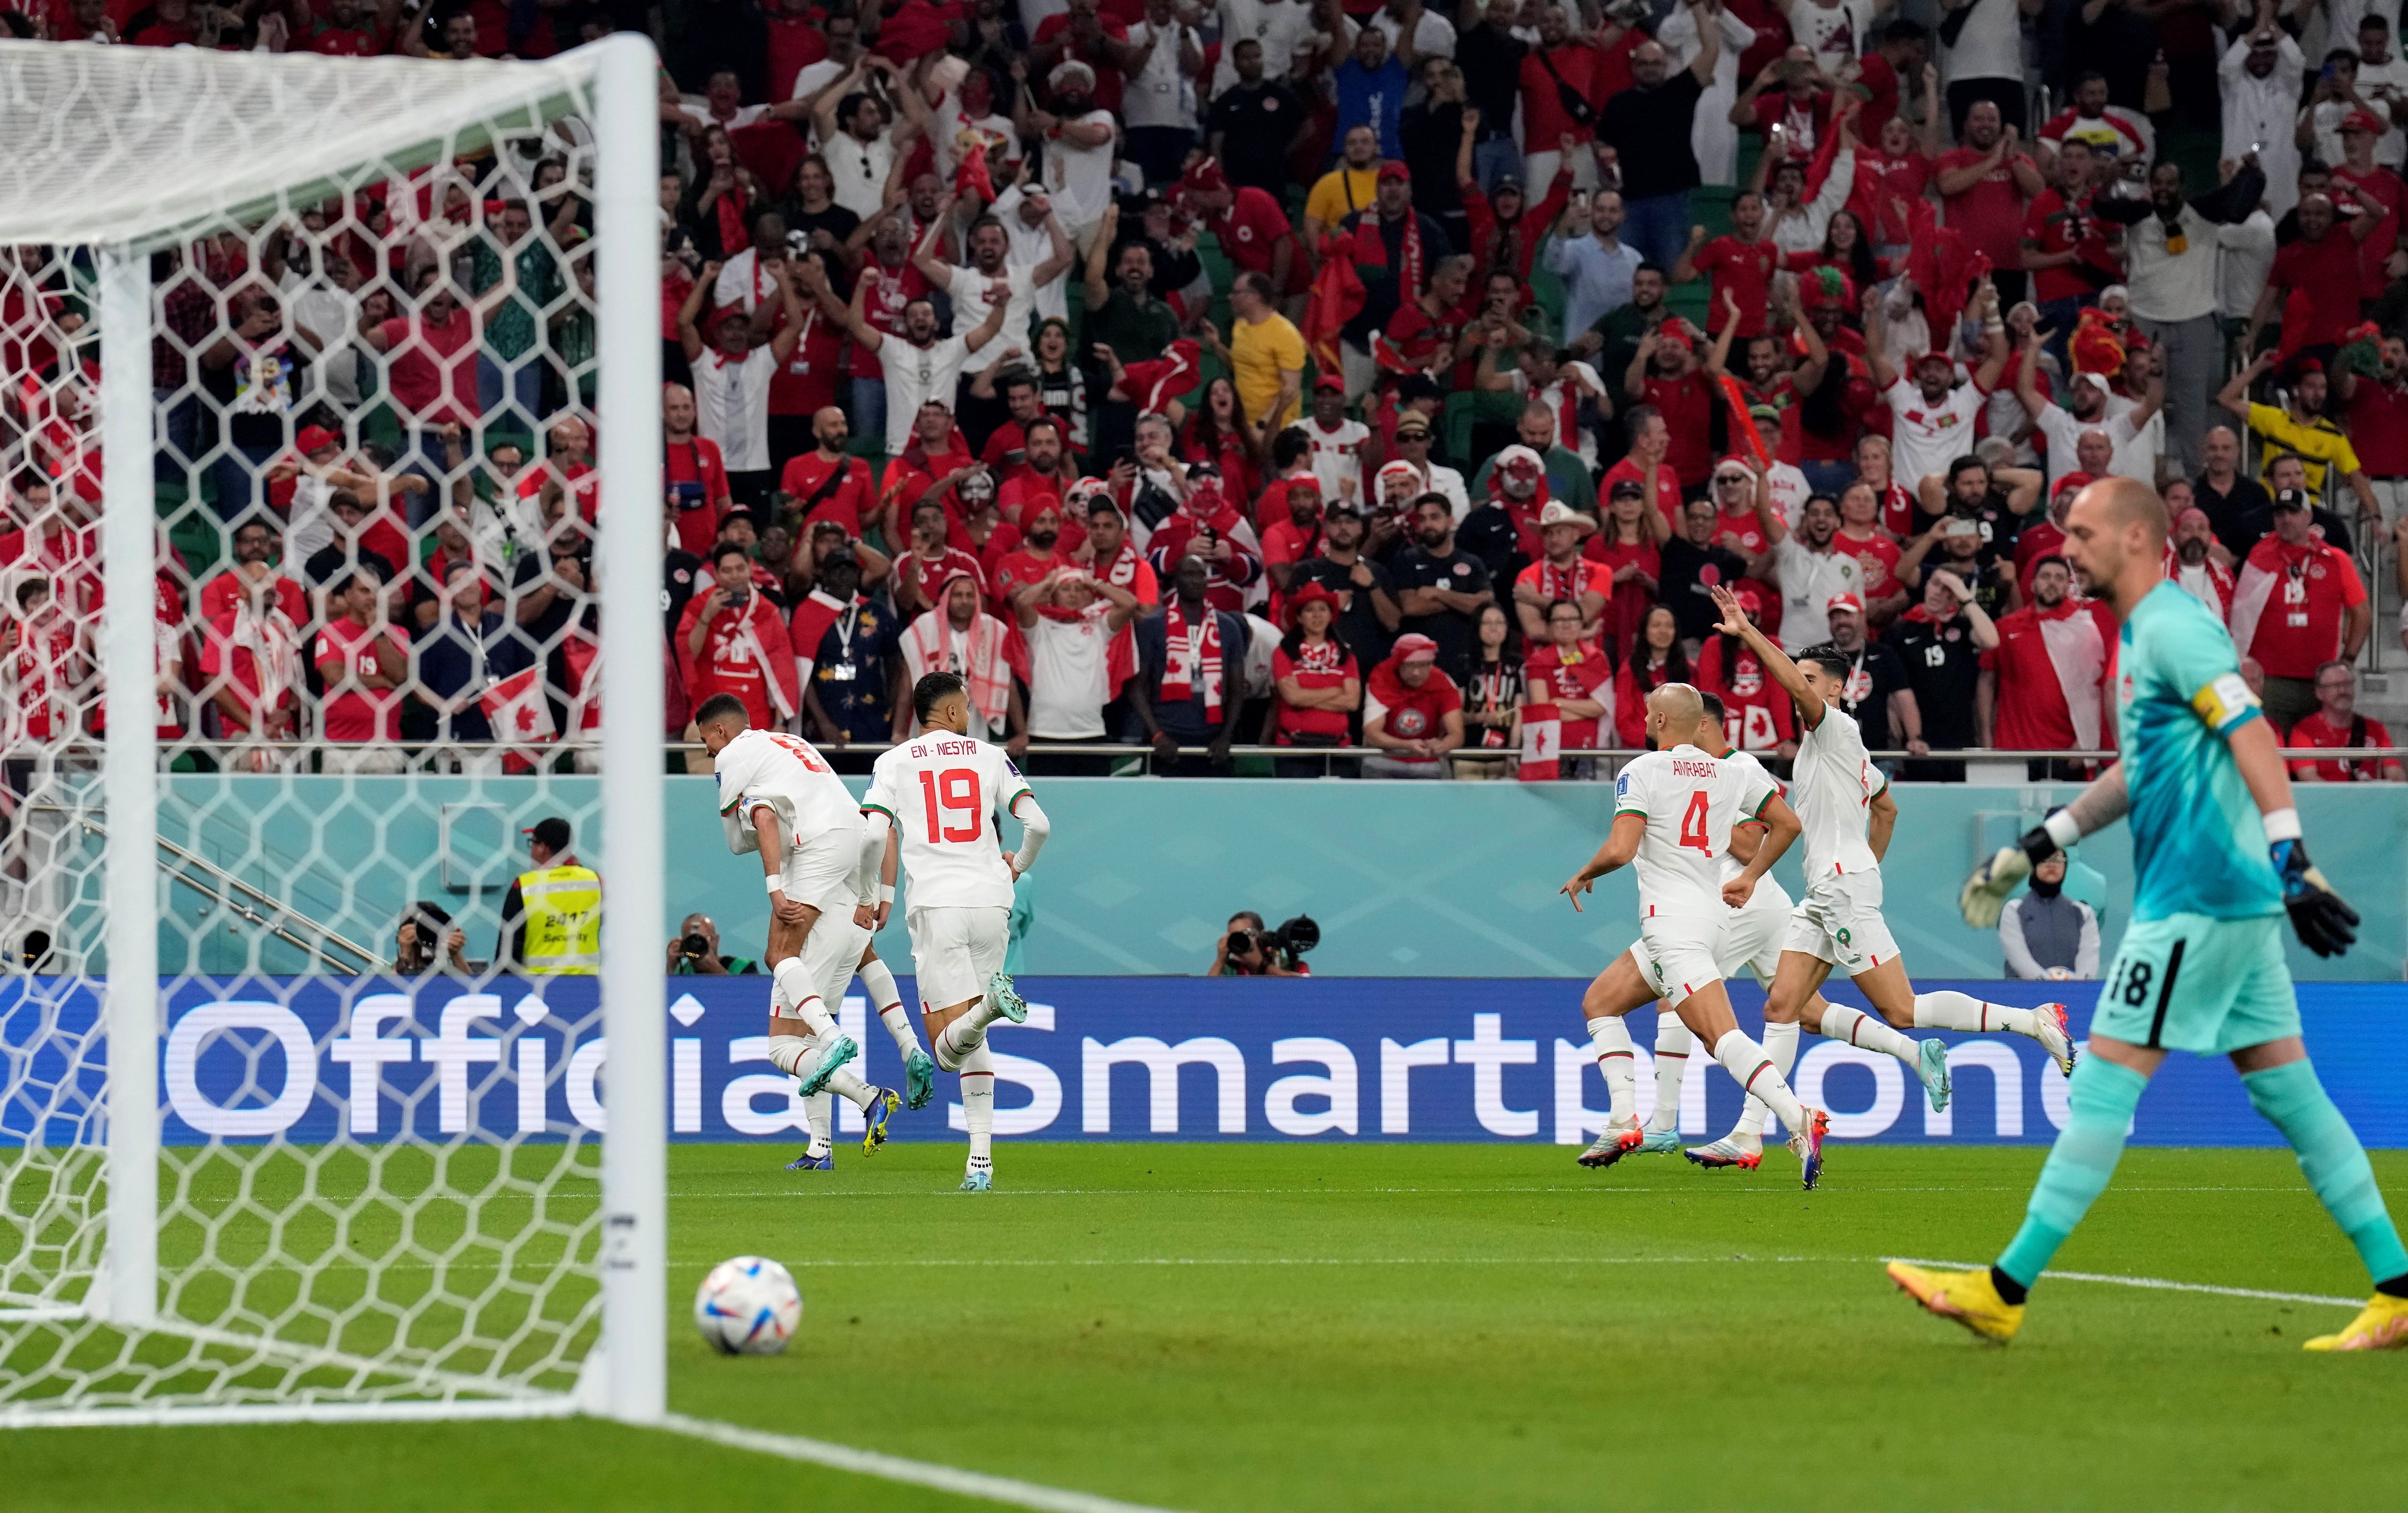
(1776, 662)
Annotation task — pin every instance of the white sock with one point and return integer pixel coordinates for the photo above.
(1858, 1028)
(1610, 1039)
(1946, 1011)
(1673, 1043)
(819, 1111)
(967, 1032)
(1745, 1060)
(884, 997)
(852, 1089)
(797, 985)
(977, 1106)
(788, 1052)
(1780, 1043)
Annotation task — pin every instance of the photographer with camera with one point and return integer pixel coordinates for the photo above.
(1249, 950)
(696, 952)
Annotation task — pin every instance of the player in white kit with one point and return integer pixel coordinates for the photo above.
(1848, 811)
(1674, 808)
(938, 793)
(1751, 940)
(779, 796)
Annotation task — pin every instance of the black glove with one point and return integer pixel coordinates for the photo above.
(2326, 924)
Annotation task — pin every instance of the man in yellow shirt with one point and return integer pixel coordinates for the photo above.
(1350, 187)
(2299, 427)
(1263, 354)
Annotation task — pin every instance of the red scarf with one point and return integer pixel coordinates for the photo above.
(730, 206)
(1562, 583)
(1371, 251)
(1187, 656)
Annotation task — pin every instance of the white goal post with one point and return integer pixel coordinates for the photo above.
(122, 154)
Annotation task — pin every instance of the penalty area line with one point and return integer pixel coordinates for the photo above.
(946, 1479)
(2160, 1284)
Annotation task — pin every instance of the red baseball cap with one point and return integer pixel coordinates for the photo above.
(1329, 380)
(2361, 120)
(315, 438)
(1393, 169)
(1205, 175)
(1847, 602)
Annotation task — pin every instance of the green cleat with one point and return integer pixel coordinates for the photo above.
(839, 1051)
(1658, 1143)
(1933, 1068)
(919, 1078)
(1006, 998)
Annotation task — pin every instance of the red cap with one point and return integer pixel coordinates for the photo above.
(2361, 120)
(2071, 480)
(315, 438)
(1848, 602)
(1935, 355)
(1413, 648)
(1393, 169)
(1329, 380)
(1205, 175)
(1751, 596)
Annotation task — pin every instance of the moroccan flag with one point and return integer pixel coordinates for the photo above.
(1338, 296)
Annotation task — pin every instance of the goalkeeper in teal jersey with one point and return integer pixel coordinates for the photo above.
(2220, 861)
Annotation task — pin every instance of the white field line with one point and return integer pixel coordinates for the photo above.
(1007, 1491)
(2158, 1283)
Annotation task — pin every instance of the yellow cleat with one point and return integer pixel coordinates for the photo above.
(1964, 1297)
(2381, 1325)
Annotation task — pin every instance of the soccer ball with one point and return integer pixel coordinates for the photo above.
(749, 1306)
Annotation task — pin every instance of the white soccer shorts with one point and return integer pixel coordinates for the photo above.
(820, 872)
(955, 951)
(1749, 940)
(1840, 921)
(1677, 954)
(831, 951)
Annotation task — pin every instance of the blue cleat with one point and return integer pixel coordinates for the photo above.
(1658, 1143)
(875, 1117)
(919, 1078)
(1933, 1068)
(1808, 1144)
(808, 1163)
(978, 1181)
(839, 1051)
(1006, 998)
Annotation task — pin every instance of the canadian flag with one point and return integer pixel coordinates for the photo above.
(516, 708)
(1543, 743)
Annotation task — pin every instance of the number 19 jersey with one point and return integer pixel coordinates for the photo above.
(1690, 802)
(940, 790)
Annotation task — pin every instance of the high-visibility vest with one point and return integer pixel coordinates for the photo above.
(564, 921)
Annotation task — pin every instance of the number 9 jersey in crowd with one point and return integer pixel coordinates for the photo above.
(823, 823)
(1690, 801)
(945, 795)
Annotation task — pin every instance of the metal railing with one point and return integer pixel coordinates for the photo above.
(246, 903)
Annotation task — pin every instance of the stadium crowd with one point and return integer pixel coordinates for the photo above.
(1318, 375)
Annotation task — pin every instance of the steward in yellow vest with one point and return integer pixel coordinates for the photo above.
(552, 920)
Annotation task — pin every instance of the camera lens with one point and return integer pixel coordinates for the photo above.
(694, 946)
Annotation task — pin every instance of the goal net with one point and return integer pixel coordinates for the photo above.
(329, 427)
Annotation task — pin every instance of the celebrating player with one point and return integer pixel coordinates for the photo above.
(1673, 812)
(2218, 859)
(1750, 938)
(937, 792)
(1848, 811)
(776, 795)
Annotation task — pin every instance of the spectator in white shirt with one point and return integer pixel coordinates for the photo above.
(1025, 212)
(2088, 411)
(857, 139)
(1078, 146)
(1811, 571)
(1069, 619)
(920, 364)
(1158, 100)
(731, 375)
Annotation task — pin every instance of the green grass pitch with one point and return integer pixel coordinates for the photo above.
(1373, 1327)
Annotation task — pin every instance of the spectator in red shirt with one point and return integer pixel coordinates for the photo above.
(1412, 712)
(2378, 423)
(1045, 466)
(433, 374)
(1757, 715)
(1562, 574)
(2379, 194)
(250, 667)
(1037, 556)
(2065, 248)
(1892, 175)
(1630, 548)
(2337, 725)
(1663, 374)
(1983, 187)
(2046, 685)
(1253, 232)
(364, 662)
(1566, 80)
(1651, 443)
(929, 564)
(732, 640)
(696, 474)
(253, 570)
(1084, 33)
(1793, 122)
(2300, 603)
(48, 671)
(1506, 230)
(1654, 660)
(1293, 538)
(1740, 264)
(2314, 283)
(1575, 675)
(828, 482)
(1320, 683)
(346, 33)
(1860, 535)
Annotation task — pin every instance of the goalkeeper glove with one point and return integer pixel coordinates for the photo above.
(1985, 891)
(2326, 924)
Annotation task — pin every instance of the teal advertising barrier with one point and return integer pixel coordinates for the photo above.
(1406, 879)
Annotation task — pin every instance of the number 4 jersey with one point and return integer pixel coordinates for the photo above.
(940, 790)
(1690, 802)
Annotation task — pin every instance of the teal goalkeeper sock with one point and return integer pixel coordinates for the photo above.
(2335, 1165)
(2100, 1101)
